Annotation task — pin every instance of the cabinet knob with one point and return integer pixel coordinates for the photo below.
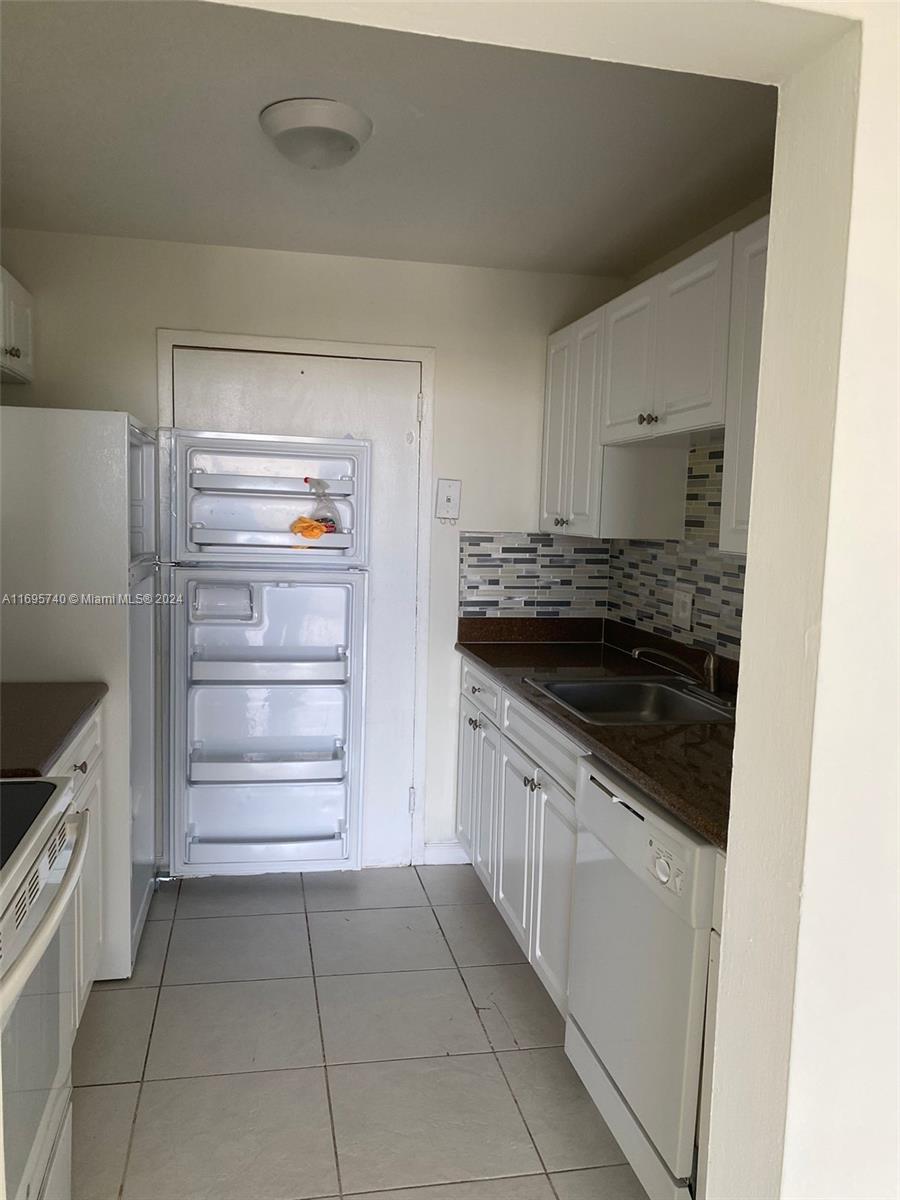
(641, 418)
(525, 780)
(563, 520)
(652, 418)
(532, 783)
(556, 521)
(82, 767)
(475, 690)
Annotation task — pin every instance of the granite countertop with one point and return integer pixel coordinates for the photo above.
(685, 768)
(37, 719)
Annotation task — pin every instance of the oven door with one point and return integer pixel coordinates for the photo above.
(37, 1012)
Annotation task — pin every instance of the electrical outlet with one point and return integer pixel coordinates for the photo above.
(682, 608)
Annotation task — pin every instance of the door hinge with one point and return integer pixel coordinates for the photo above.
(420, 407)
(412, 800)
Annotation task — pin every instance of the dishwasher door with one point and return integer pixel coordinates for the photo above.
(639, 958)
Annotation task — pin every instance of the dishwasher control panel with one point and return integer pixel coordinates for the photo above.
(668, 870)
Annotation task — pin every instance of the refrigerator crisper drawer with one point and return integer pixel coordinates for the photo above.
(237, 495)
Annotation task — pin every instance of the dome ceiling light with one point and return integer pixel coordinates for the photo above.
(316, 133)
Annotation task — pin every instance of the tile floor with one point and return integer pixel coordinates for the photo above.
(376, 1035)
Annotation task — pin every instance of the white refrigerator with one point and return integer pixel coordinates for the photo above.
(267, 637)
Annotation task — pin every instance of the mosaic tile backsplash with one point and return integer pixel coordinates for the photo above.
(536, 574)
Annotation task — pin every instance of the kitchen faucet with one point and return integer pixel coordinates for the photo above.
(706, 674)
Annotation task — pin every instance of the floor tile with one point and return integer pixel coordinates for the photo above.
(426, 1120)
(601, 1183)
(514, 1007)
(220, 949)
(162, 904)
(453, 884)
(113, 1035)
(101, 1127)
(521, 1187)
(221, 1028)
(478, 935)
(240, 896)
(231, 1137)
(374, 940)
(148, 964)
(403, 1014)
(567, 1128)
(381, 887)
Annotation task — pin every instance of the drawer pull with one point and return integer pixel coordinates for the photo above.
(82, 767)
(476, 690)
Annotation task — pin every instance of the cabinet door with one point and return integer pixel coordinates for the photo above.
(18, 351)
(465, 781)
(626, 393)
(692, 341)
(554, 870)
(89, 893)
(487, 779)
(513, 883)
(748, 287)
(554, 474)
(582, 515)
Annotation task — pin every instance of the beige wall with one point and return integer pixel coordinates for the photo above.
(99, 302)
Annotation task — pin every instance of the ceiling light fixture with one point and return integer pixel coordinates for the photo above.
(316, 133)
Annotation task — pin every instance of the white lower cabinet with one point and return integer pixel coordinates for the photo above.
(89, 894)
(554, 867)
(486, 774)
(514, 825)
(517, 823)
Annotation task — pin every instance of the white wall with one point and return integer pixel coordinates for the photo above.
(99, 302)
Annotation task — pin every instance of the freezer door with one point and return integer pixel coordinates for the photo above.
(142, 505)
(236, 497)
(269, 672)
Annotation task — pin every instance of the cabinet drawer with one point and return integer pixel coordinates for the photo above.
(549, 748)
(84, 748)
(481, 691)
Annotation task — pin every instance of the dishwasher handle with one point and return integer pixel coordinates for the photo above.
(616, 799)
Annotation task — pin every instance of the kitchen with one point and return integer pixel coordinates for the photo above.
(647, 452)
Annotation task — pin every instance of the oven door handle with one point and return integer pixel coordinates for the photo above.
(17, 976)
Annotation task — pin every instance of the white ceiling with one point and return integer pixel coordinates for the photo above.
(139, 119)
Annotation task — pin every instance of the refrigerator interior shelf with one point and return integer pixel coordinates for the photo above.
(265, 768)
(273, 670)
(282, 485)
(260, 537)
(240, 850)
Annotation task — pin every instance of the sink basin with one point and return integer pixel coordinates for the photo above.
(639, 700)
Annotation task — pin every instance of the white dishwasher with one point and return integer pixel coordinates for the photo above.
(638, 966)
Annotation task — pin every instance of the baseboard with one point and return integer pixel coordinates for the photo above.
(443, 853)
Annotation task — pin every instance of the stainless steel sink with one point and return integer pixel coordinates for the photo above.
(639, 700)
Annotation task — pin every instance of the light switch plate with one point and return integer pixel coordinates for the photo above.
(449, 494)
(682, 608)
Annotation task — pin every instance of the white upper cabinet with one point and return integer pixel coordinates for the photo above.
(694, 300)
(555, 467)
(627, 389)
(17, 358)
(747, 297)
(570, 484)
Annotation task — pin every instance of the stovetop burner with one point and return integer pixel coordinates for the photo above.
(21, 803)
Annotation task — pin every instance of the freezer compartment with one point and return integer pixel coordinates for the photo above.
(236, 497)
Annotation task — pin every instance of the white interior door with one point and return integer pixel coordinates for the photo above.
(233, 391)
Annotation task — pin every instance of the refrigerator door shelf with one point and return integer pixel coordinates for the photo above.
(325, 670)
(286, 850)
(235, 497)
(261, 537)
(260, 768)
(284, 485)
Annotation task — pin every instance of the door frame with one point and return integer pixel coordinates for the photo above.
(168, 340)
